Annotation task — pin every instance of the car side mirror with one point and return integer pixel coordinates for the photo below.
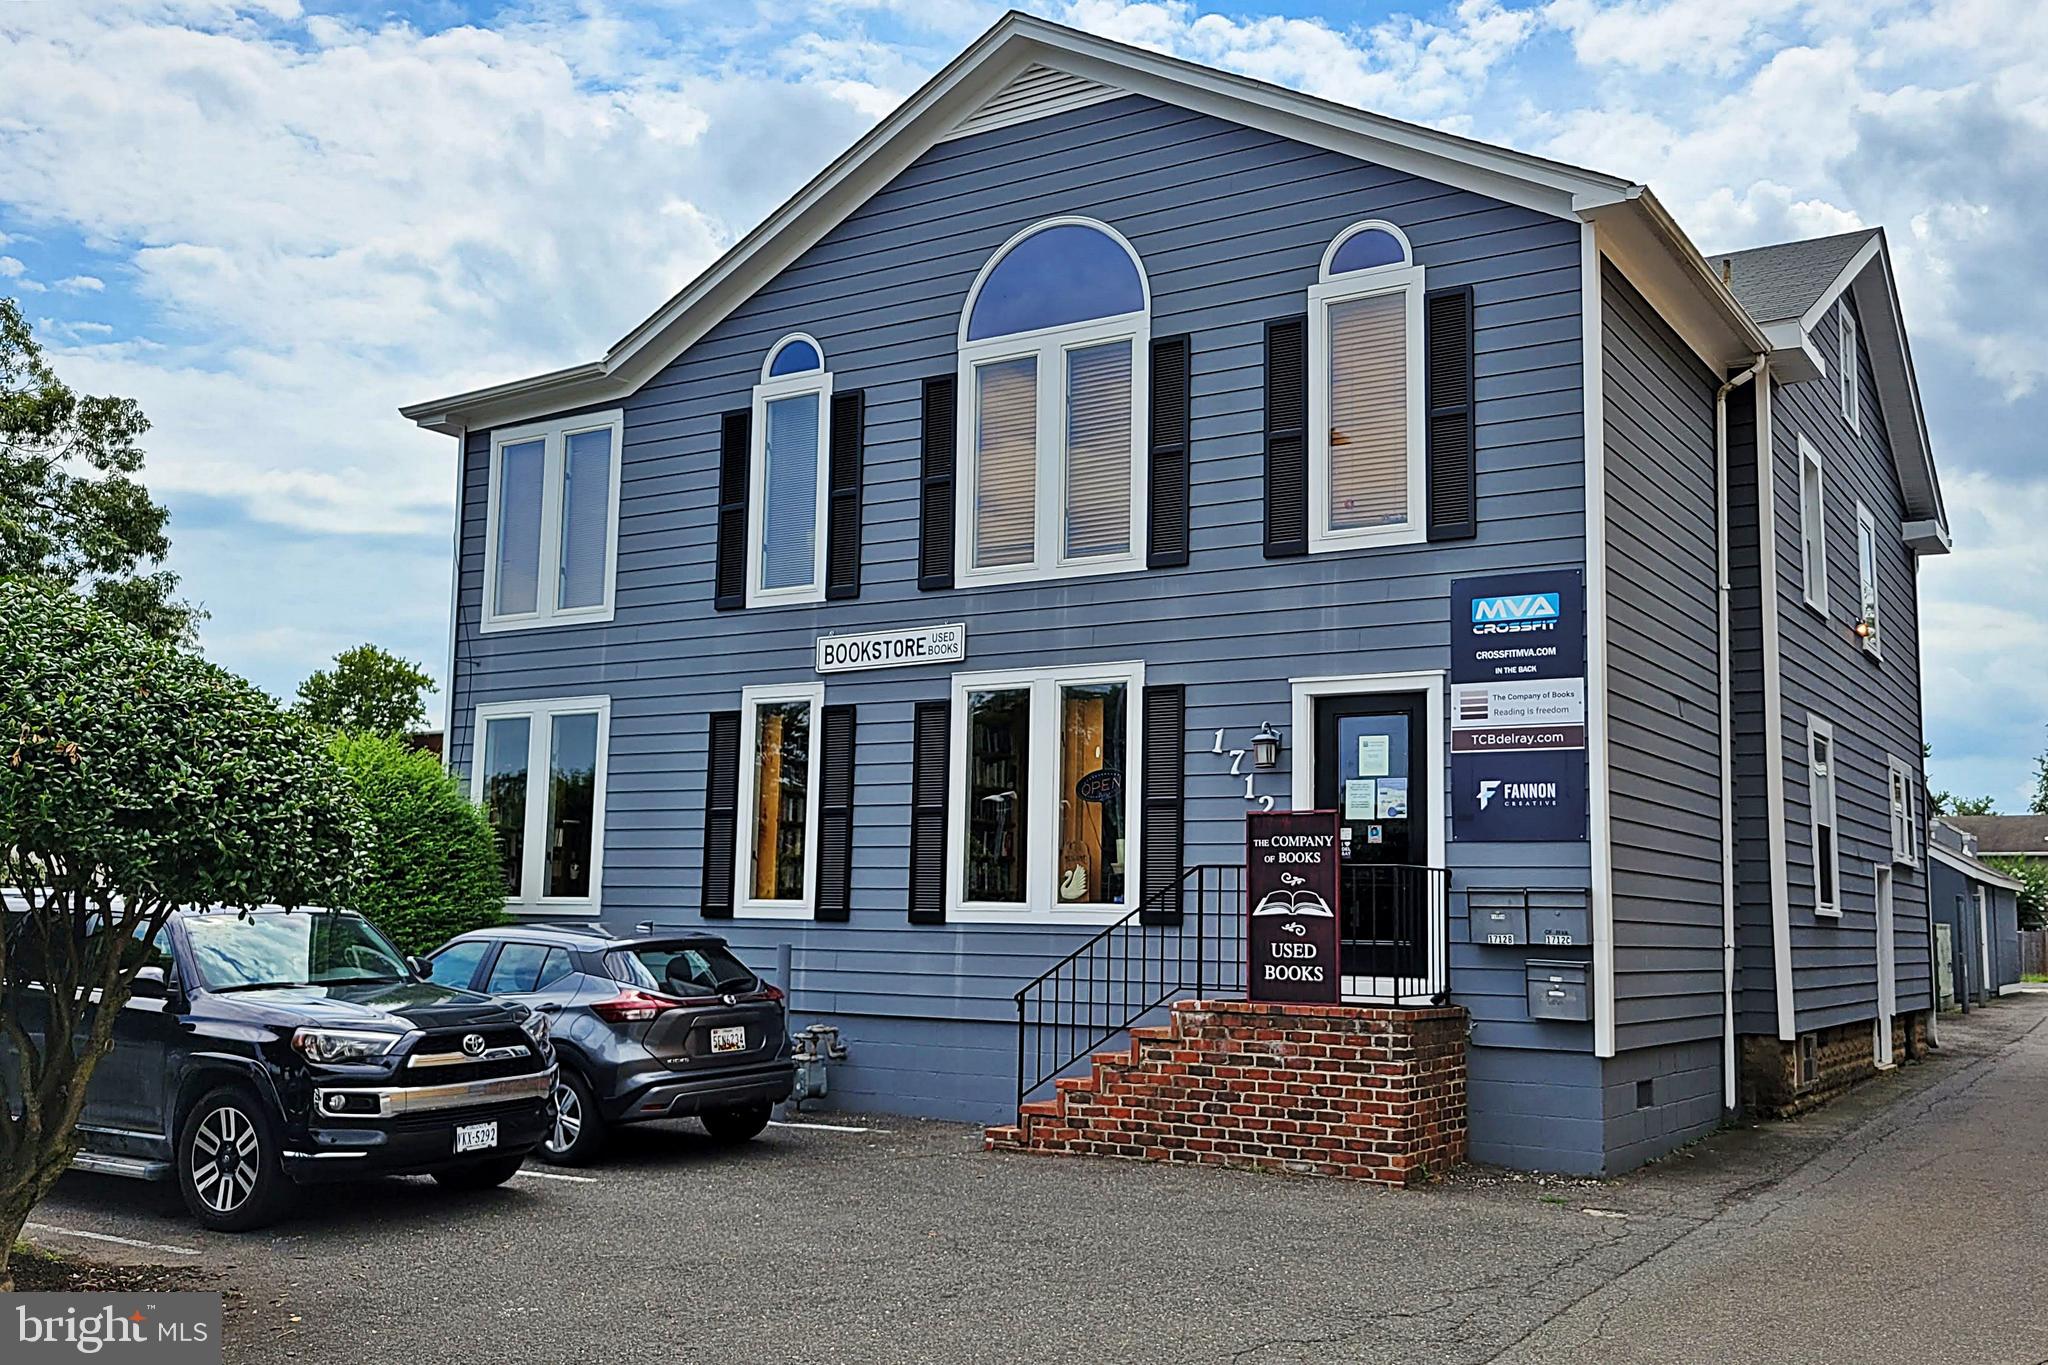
(149, 984)
(419, 966)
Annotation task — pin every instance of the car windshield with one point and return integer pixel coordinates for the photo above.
(684, 969)
(305, 948)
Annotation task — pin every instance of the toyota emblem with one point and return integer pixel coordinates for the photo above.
(473, 1044)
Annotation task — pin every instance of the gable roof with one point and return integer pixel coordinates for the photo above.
(1788, 288)
(2026, 835)
(1638, 234)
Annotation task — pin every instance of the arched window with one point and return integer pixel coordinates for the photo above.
(786, 509)
(1053, 350)
(1366, 405)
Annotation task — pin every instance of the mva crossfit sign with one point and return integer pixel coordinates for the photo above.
(1291, 907)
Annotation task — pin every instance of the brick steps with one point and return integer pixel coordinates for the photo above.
(1354, 1092)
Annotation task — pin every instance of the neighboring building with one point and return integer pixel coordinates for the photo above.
(1978, 907)
(912, 588)
(2005, 836)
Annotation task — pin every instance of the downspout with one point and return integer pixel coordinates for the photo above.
(1721, 596)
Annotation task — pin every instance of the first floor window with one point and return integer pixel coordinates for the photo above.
(1827, 863)
(551, 542)
(1042, 816)
(779, 797)
(540, 780)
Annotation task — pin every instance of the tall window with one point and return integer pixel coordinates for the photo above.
(1820, 792)
(539, 775)
(779, 799)
(1813, 528)
(1846, 370)
(1866, 573)
(1053, 349)
(1365, 395)
(786, 560)
(1045, 772)
(551, 544)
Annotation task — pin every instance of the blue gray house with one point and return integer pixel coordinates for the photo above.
(1105, 448)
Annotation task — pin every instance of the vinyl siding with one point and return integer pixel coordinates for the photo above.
(1664, 728)
(1873, 705)
(1230, 224)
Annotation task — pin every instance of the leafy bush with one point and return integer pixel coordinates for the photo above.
(433, 869)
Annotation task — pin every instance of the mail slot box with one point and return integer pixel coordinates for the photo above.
(1560, 924)
(1499, 923)
(1557, 990)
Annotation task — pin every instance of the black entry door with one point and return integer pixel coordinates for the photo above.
(1370, 752)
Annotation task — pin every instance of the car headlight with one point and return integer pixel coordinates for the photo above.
(328, 1045)
(536, 1025)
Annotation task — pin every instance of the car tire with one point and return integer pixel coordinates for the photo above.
(480, 1175)
(228, 1163)
(737, 1123)
(579, 1131)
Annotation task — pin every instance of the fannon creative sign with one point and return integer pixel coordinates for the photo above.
(1290, 887)
(945, 644)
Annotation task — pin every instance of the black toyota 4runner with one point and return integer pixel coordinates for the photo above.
(275, 1048)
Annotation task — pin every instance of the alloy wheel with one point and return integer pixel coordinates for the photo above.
(568, 1119)
(224, 1157)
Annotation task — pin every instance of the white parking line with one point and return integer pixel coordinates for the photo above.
(109, 1237)
(550, 1175)
(824, 1127)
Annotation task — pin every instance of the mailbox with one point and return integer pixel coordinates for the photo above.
(1557, 990)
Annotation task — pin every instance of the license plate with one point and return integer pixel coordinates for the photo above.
(476, 1137)
(729, 1039)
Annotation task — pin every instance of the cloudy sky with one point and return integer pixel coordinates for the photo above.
(273, 221)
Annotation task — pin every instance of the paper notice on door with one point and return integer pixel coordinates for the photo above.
(1361, 799)
(1372, 755)
(1393, 799)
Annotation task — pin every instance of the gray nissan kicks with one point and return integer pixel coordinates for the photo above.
(662, 1026)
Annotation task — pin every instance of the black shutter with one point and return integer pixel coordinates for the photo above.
(721, 812)
(1166, 480)
(1286, 437)
(733, 453)
(928, 763)
(935, 519)
(842, 515)
(1452, 456)
(835, 814)
(1162, 803)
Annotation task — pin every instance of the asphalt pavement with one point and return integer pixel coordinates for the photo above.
(1898, 1224)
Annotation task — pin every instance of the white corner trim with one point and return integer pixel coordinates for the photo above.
(1599, 798)
(744, 905)
(540, 714)
(1775, 757)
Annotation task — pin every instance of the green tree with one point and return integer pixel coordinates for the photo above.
(369, 690)
(134, 777)
(433, 869)
(72, 508)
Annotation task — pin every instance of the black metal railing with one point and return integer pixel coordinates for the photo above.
(1392, 932)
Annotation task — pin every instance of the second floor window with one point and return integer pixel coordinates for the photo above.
(786, 559)
(1365, 398)
(551, 542)
(1053, 349)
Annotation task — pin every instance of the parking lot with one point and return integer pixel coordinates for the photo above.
(848, 1239)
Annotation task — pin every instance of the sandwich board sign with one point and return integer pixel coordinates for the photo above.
(1291, 941)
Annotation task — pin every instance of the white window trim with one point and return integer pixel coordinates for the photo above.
(819, 382)
(745, 905)
(1866, 525)
(554, 434)
(1847, 380)
(1042, 905)
(1818, 728)
(1048, 345)
(1430, 683)
(1899, 777)
(1809, 458)
(1326, 292)
(541, 716)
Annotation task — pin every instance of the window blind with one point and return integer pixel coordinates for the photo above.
(1368, 412)
(1098, 508)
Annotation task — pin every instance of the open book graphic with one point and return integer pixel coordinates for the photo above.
(1293, 903)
